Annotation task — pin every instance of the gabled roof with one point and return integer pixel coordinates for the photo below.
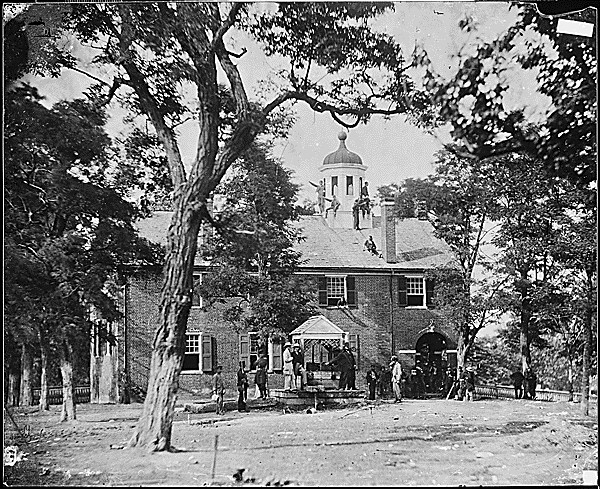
(328, 248)
(318, 325)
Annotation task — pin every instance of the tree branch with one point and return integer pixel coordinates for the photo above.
(225, 26)
(150, 106)
(106, 84)
(333, 110)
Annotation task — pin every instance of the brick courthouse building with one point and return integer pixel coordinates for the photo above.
(379, 302)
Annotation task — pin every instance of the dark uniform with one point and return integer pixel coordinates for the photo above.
(242, 385)
(372, 382)
(517, 381)
(344, 363)
(530, 381)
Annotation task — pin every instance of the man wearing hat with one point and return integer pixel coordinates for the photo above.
(288, 367)
(396, 369)
(300, 377)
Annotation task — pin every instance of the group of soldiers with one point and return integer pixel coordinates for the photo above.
(524, 383)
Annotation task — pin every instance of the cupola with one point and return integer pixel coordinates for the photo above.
(342, 156)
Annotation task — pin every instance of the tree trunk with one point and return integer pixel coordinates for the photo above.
(44, 404)
(155, 424)
(570, 376)
(66, 371)
(13, 387)
(26, 376)
(524, 327)
(587, 346)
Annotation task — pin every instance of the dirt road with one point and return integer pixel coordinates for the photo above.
(417, 442)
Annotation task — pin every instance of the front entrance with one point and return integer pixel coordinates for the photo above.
(431, 354)
(320, 341)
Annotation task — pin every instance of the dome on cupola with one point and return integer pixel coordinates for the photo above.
(342, 156)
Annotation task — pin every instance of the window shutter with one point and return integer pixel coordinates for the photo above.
(351, 291)
(322, 291)
(277, 355)
(245, 349)
(429, 292)
(402, 291)
(353, 340)
(207, 353)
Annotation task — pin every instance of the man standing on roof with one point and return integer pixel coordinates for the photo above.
(356, 215)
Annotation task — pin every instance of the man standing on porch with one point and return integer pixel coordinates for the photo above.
(288, 368)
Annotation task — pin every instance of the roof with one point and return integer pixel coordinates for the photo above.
(328, 248)
(317, 325)
(325, 247)
(342, 155)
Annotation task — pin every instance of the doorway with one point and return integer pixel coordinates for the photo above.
(431, 354)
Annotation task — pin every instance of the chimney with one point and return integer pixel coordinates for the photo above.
(421, 210)
(388, 231)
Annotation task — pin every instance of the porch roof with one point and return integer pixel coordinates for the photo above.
(317, 326)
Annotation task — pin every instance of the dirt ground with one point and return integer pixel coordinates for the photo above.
(417, 442)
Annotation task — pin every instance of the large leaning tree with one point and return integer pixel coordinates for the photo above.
(158, 53)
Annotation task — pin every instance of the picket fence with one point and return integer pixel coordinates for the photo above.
(508, 392)
(55, 395)
(82, 394)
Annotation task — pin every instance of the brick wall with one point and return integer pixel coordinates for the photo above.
(376, 321)
(143, 295)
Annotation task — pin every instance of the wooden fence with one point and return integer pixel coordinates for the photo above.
(82, 394)
(508, 392)
(55, 396)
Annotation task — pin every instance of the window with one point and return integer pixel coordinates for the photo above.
(255, 351)
(196, 297)
(349, 185)
(191, 359)
(199, 352)
(415, 294)
(415, 291)
(337, 289)
(334, 184)
(251, 350)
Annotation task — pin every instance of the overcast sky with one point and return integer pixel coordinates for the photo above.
(393, 150)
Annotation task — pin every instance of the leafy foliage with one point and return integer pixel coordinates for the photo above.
(473, 101)
(66, 230)
(253, 254)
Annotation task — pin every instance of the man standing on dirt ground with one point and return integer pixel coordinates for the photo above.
(517, 380)
(530, 381)
(288, 368)
(396, 378)
(260, 379)
(470, 384)
(218, 389)
(300, 376)
(419, 381)
(352, 371)
(372, 382)
(242, 385)
(343, 363)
